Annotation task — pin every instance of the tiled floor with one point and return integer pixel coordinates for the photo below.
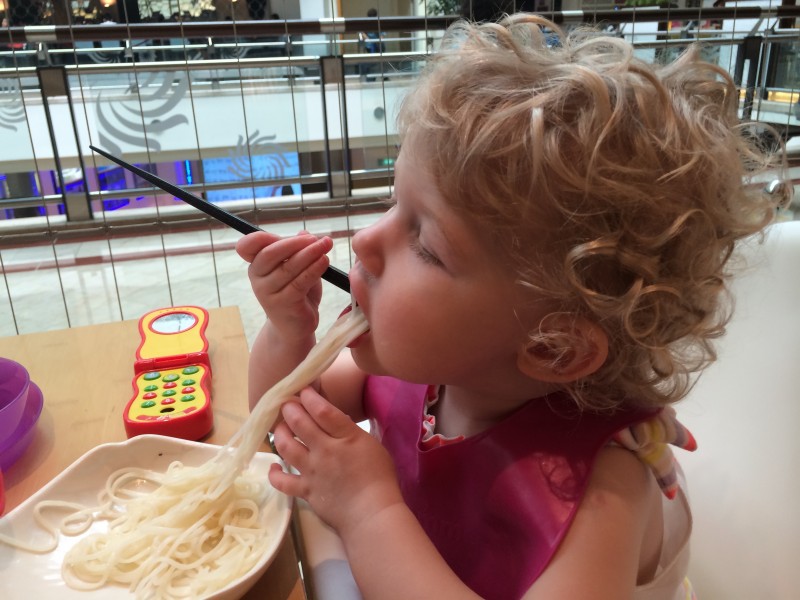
(74, 284)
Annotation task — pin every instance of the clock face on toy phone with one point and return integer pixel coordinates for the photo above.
(173, 322)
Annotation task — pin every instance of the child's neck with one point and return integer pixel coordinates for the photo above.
(467, 412)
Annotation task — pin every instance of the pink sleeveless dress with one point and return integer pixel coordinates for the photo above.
(496, 505)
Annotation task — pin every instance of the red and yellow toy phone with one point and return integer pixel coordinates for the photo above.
(172, 386)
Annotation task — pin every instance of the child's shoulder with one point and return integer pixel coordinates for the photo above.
(618, 471)
(616, 534)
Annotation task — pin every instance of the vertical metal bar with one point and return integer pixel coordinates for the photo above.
(787, 22)
(738, 69)
(53, 83)
(332, 73)
(346, 158)
(327, 144)
(772, 59)
(750, 48)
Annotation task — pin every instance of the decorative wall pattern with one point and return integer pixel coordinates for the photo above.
(144, 114)
(12, 112)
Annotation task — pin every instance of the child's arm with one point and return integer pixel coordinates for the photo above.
(285, 275)
(349, 480)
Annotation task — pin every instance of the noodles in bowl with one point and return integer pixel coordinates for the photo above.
(179, 520)
(25, 573)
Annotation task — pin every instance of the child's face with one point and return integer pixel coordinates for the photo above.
(439, 299)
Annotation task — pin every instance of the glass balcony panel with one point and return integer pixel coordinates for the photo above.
(31, 285)
(257, 147)
(373, 99)
(26, 153)
(141, 271)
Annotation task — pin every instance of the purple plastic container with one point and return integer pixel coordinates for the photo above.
(14, 387)
(14, 446)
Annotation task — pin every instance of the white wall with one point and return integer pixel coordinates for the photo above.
(214, 120)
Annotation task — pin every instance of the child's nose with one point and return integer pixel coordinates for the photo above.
(366, 245)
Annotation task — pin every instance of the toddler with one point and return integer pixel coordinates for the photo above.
(548, 281)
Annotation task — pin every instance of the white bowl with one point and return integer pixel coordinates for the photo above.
(26, 575)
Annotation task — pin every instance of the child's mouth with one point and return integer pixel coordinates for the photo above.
(356, 341)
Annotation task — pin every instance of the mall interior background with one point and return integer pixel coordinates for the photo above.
(278, 111)
(281, 111)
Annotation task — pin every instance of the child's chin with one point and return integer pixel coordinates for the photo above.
(364, 357)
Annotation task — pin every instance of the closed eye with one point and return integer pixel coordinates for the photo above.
(424, 254)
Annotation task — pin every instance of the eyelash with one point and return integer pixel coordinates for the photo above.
(418, 249)
(423, 254)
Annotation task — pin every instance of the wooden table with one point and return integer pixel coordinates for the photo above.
(86, 373)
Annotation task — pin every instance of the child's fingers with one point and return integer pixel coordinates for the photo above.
(288, 447)
(297, 261)
(296, 252)
(250, 245)
(310, 276)
(302, 425)
(271, 255)
(288, 483)
(326, 416)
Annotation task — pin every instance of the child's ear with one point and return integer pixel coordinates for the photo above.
(568, 349)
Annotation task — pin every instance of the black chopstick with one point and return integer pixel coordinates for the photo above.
(332, 275)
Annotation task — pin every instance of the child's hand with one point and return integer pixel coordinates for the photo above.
(345, 474)
(285, 274)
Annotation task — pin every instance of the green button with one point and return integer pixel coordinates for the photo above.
(150, 388)
(190, 370)
(168, 393)
(188, 381)
(151, 376)
(147, 404)
(172, 377)
(187, 398)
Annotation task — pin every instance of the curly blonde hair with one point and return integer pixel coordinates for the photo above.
(617, 188)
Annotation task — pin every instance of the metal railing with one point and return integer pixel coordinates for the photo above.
(753, 48)
(319, 58)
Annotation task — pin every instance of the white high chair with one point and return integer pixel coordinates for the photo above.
(744, 478)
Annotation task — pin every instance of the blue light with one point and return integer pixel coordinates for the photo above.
(188, 166)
